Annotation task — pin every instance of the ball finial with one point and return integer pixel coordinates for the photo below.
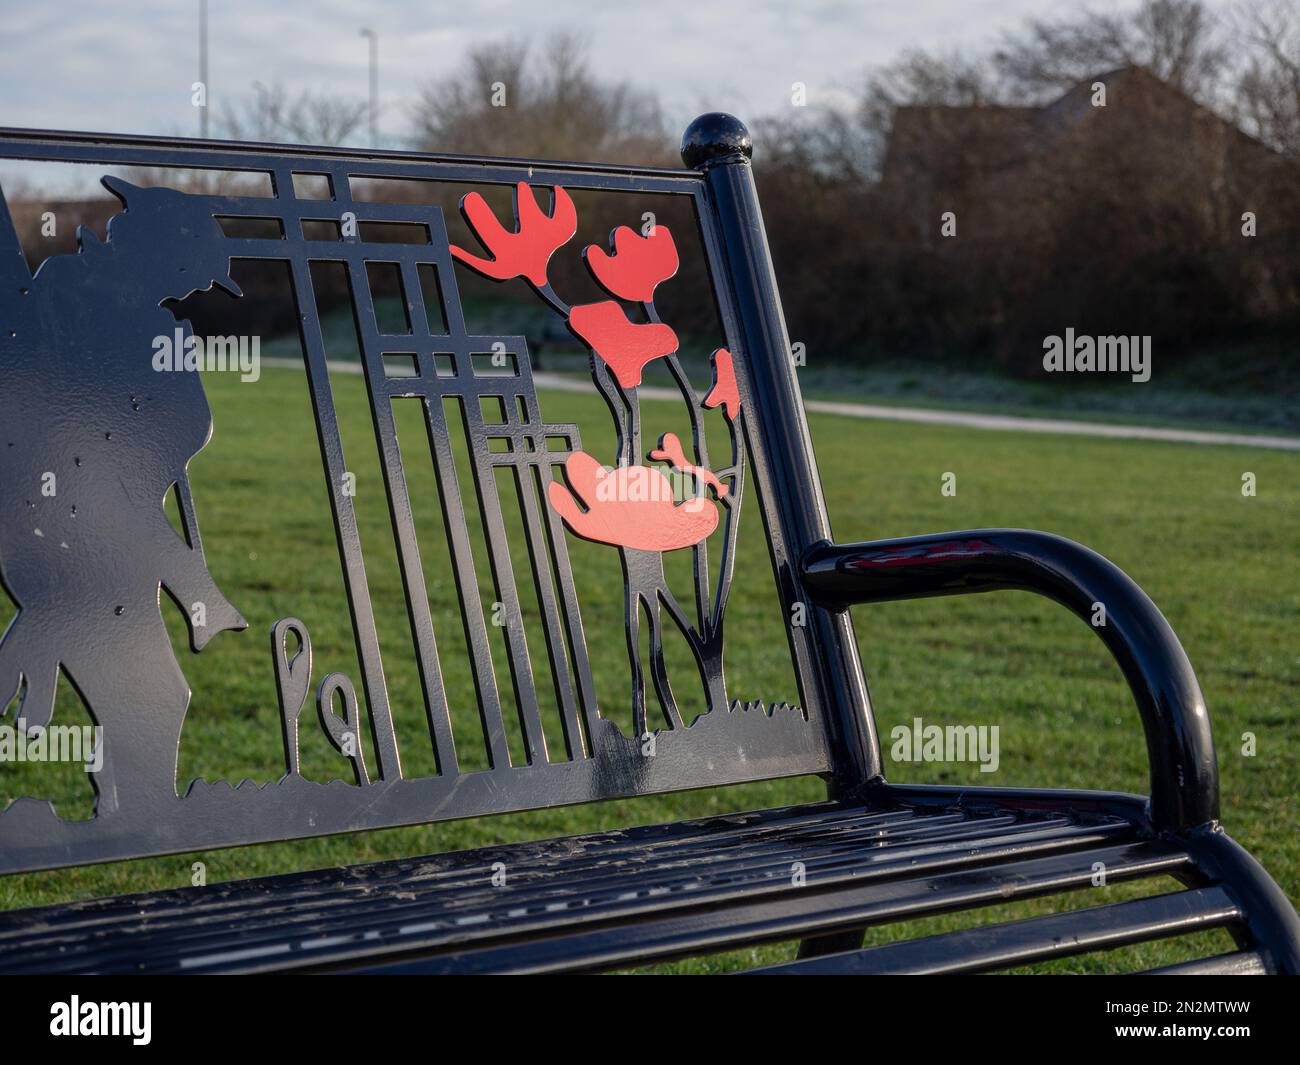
(715, 136)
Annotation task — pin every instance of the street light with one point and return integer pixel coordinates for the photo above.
(374, 85)
(203, 66)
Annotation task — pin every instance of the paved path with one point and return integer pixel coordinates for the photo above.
(926, 416)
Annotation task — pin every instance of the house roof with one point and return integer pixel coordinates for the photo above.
(1001, 136)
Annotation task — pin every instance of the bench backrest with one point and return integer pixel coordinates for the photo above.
(99, 420)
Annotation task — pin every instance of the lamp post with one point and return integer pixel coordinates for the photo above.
(374, 85)
(203, 66)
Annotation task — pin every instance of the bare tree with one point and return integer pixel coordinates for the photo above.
(1177, 40)
(274, 114)
(924, 78)
(1268, 88)
(512, 98)
(919, 79)
(815, 142)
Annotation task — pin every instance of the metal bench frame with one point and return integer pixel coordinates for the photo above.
(880, 852)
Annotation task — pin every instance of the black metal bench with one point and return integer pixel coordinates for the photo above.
(85, 566)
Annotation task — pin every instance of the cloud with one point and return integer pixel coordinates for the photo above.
(128, 66)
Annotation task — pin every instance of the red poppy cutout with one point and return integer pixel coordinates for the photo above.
(526, 250)
(637, 265)
(670, 450)
(625, 346)
(724, 393)
(629, 506)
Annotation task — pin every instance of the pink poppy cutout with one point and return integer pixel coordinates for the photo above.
(637, 265)
(625, 346)
(526, 250)
(724, 392)
(630, 506)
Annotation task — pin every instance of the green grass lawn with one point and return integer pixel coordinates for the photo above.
(1223, 568)
(1243, 387)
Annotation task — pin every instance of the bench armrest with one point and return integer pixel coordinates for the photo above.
(1180, 748)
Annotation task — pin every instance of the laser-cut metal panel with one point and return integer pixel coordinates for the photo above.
(80, 399)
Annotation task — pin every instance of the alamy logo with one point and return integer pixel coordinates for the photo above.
(182, 351)
(1087, 354)
(946, 743)
(53, 743)
(132, 1019)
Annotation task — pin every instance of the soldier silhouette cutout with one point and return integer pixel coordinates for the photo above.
(92, 439)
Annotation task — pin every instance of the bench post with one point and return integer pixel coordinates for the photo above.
(830, 673)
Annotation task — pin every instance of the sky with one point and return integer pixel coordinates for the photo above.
(128, 66)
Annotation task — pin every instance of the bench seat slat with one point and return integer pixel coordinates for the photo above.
(587, 862)
(850, 905)
(588, 867)
(460, 914)
(1237, 963)
(446, 903)
(1035, 939)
